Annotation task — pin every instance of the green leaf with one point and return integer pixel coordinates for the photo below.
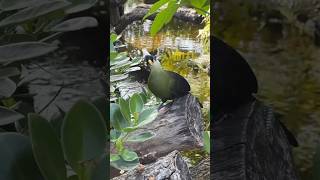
(163, 17)
(128, 155)
(114, 157)
(118, 77)
(144, 97)
(46, 148)
(140, 137)
(316, 164)
(100, 169)
(136, 103)
(8, 72)
(102, 104)
(9, 5)
(33, 12)
(24, 50)
(75, 24)
(125, 110)
(116, 118)
(125, 165)
(7, 87)
(17, 162)
(9, 116)
(83, 134)
(206, 139)
(114, 135)
(147, 116)
(129, 129)
(198, 3)
(113, 37)
(155, 7)
(80, 5)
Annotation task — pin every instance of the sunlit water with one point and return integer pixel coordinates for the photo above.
(287, 67)
(180, 50)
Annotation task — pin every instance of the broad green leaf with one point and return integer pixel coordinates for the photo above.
(125, 110)
(198, 3)
(140, 137)
(128, 155)
(9, 5)
(102, 104)
(83, 134)
(9, 71)
(114, 157)
(100, 169)
(33, 12)
(136, 103)
(125, 165)
(8, 116)
(163, 17)
(147, 116)
(155, 7)
(47, 149)
(24, 50)
(206, 140)
(17, 161)
(75, 24)
(7, 87)
(116, 118)
(144, 97)
(80, 5)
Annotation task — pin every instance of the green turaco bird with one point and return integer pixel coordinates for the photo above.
(166, 85)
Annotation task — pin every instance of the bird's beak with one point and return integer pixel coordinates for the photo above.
(150, 62)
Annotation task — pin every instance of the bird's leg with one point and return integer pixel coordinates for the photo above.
(163, 104)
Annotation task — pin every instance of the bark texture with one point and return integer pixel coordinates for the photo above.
(250, 144)
(171, 167)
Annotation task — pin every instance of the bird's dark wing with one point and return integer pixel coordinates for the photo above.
(233, 80)
(181, 86)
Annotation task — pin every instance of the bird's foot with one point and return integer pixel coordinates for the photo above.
(164, 104)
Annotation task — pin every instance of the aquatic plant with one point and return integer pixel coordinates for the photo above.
(127, 116)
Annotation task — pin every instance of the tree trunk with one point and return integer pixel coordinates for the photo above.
(171, 166)
(250, 144)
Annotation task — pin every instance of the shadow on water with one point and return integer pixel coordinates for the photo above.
(180, 51)
(286, 64)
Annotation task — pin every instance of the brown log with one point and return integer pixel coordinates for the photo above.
(137, 14)
(250, 144)
(171, 166)
(178, 126)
